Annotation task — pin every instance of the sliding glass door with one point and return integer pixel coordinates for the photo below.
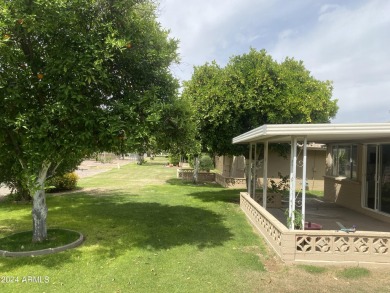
(378, 178)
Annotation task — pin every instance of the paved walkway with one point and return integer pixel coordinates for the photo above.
(86, 169)
(91, 167)
(4, 191)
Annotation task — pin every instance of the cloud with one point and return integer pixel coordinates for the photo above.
(343, 41)
(213, 30)
(347, 45)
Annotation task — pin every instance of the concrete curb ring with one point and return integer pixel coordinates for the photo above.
(45, 251)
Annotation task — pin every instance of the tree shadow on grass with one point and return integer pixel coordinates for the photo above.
(181, 182)
(150, 162)
(225, 195)
(112, 226)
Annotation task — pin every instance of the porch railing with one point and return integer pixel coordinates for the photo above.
(318, 246)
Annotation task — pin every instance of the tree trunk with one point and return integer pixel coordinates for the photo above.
(140, 158)
(196, 170)
(39, 210)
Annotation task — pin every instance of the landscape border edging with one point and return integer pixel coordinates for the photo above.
(44, 251)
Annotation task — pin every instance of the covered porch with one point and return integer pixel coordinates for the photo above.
(368, 245)
(329, 214)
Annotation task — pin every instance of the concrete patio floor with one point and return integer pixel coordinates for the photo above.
(328, 214)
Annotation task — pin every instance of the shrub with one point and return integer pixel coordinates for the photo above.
(206, 163)
(65, 182)
(18, 192)
(174, 159)
(19, 197)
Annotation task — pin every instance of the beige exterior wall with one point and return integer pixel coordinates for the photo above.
(346, 192)
(343, 192)
(315, 168)
(234, 167)
(218, 160)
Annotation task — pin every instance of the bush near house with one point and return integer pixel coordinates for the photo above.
(65, 182)
(174, 159)
(206, 163)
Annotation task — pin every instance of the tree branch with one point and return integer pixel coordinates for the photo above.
(17, 149)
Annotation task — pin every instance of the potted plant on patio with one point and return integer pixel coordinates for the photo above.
(282, 185)
(297, 219)
(277, 190)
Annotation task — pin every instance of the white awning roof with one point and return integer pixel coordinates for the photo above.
(319, 133)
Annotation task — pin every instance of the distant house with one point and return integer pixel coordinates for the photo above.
(233, 168)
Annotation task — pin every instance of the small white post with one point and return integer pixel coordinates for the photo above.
(265, 174)
(249, 172)
(304, 182)
(293, 173)
(254, 171)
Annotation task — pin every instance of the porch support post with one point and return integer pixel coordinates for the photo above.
(304, 181)
(363, 177)
(265, 174)
(254, 171)
(293, 173)
(250, 171)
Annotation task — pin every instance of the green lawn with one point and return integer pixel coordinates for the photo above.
(145, 232)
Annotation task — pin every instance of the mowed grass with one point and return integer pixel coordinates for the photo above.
(145, 232)
(20, 242)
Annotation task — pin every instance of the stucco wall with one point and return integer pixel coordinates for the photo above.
(218, 160)
(348, 192)
(315, 168)
(343, 192)
(234, 167)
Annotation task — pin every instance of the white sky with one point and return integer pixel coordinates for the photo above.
(346, 41)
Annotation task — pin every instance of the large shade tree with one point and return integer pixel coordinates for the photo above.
(252, 90)
(74, 76)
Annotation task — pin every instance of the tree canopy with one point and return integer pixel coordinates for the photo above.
(252, 90)
(75, 75)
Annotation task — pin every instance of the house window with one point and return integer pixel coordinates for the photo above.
(344, 161)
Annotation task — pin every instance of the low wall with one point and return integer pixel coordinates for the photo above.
(318, 246)
(188, 175)
(266, 224)
(230, 181)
